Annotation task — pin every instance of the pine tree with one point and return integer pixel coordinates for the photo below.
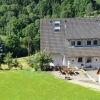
(66, 9)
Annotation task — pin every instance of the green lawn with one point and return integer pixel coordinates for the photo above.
(27, 85)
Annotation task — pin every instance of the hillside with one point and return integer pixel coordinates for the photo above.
(20, 20)
(98, 2)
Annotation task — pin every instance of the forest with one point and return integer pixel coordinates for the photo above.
(20, 21)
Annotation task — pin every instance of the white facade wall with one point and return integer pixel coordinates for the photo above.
(60, 60)
(95, 62)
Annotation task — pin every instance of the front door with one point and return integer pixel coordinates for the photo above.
(80, 62)
(88, 62)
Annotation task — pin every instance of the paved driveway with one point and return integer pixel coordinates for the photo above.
(81, 79)
(93, 74)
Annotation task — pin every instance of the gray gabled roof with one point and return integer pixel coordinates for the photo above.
(71, 28)
(82, 28)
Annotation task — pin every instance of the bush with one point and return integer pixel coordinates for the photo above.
(16, 64)
(8, 60)
(40, 60)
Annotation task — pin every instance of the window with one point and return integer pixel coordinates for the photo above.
(89, 60)
(88, 43)
(95, 42)
(57, 29)
(57, 22)
(80, 59)
(79, 43)
(56, 26)
(72, 43)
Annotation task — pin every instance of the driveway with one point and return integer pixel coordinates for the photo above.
(81, 79)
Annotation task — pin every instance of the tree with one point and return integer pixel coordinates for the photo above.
(30, 31)
(56, 10)
(8, 15)
(2, 49)
(66, 9)
(36, 42)
(41, 60)
(30, 7)
(76, 4)
(89, 10)
(80, 7)
(33, 17)
(42, 7)
(16, 26)
(13, 44)
(24, 19)
(8, 60)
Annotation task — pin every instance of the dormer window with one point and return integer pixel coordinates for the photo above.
(95, 42)
(57, 22)
(89, 43)
(57, 29)
(56, 26)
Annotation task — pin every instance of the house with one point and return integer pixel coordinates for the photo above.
(73, 42)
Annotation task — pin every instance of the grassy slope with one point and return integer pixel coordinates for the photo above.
(24, 85)
(98, 2)
(23, 61)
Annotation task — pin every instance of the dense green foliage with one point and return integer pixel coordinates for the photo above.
(40, 60)
(28, 85)
(21, 18)
(2, 51)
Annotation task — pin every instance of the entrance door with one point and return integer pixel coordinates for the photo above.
(88, 62)
(80, 62)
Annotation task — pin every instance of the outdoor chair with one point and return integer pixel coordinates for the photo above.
(69, 71)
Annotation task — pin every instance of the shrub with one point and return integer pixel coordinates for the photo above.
(40, 60)
(16, 64)
(8, 60)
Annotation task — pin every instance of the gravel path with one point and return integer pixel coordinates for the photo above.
(79, 79)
